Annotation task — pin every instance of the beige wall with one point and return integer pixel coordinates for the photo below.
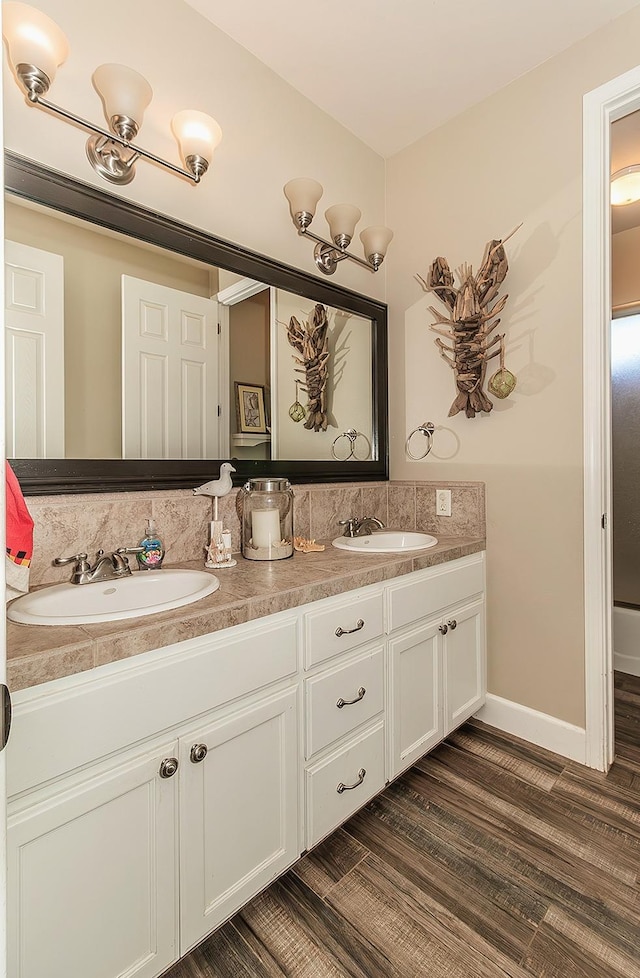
(625, 267)
(270, 132)
(515, 157)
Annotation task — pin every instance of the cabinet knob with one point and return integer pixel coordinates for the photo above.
(350, 631)
(198, 753)
(443, 629)
(342, 702)
(168, 767)
(452, 624)
(349, 787)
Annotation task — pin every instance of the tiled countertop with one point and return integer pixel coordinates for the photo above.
(39, 653)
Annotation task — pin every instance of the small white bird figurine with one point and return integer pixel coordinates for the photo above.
(220, 486)
(217, 487)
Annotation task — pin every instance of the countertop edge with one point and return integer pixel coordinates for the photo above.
(37, 654)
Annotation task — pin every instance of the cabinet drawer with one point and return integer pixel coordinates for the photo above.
(361, 680)
(328, 807)
(342, 627)
(410, 601)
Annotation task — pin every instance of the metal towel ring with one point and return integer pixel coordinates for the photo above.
(427, 428)
(352, 436)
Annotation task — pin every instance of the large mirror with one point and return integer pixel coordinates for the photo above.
(163, 350)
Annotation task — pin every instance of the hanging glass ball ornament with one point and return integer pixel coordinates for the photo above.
(297, 411)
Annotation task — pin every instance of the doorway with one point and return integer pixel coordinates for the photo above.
(602, 107)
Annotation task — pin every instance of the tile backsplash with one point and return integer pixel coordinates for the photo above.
(67, 525)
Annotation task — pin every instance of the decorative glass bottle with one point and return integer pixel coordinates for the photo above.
(267, 519)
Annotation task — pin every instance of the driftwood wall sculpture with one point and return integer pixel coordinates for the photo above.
(311, 341)
(471, 320)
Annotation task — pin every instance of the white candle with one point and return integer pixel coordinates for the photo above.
(265, 527)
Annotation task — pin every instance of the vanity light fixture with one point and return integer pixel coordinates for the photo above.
(303, 195)
(625, 185)
(37, 47)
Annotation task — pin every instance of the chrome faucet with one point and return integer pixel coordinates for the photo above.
(108, 567)
(360, 527)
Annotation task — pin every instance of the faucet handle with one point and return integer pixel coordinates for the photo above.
(80, 559)
(120, 561)
(350, 525)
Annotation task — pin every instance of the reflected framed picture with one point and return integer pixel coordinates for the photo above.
(250, 408)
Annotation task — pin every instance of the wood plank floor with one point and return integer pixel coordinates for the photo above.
(489, 858)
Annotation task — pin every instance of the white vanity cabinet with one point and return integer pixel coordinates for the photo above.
(123, 857)
(149, 799)
(437, 670)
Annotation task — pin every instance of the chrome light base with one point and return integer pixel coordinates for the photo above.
(197, 165)
(106, 158)
(326, 258)
(33, 80)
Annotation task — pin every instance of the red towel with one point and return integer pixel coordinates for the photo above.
(19, 536)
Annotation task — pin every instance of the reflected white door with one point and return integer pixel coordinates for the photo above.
(169, 372)
(34, 352)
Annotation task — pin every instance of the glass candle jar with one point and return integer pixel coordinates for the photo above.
(267, 519)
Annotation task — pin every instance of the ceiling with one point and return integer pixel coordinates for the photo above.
(392, 72)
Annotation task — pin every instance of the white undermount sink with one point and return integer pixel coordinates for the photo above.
(143, 593)
(386, 542)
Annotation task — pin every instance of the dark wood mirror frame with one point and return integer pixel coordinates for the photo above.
(31, 181)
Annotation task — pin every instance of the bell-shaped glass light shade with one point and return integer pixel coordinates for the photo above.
(342, 220)
(375, 241)
(625, 185)
(197, 134)
(123, 91)
(33, 38)
(303, 194)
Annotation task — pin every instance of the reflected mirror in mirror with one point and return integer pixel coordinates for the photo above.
(129, 337)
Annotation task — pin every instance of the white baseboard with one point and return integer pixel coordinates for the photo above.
(538, 728)
(626, 663)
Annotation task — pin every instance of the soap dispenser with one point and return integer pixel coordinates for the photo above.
(152, 553)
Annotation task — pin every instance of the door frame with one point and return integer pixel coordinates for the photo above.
(601, 107)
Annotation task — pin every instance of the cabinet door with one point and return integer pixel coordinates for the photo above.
(464, 664)
(417, 723)
(92, 875)
(238, 811)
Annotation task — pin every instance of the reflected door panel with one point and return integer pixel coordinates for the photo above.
(170, 372)
(34, 352)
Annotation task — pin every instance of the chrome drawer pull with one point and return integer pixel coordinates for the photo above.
(168, 767)
(349, 787)
(443, 629)
(341, 702)
(452, 624)
(350, 631)
(198, 753)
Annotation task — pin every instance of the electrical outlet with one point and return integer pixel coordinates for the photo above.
(443, 502)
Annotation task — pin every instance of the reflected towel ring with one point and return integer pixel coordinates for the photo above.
(427, 428)
(352, 436)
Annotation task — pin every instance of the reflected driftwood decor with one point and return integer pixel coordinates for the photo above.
(311, 341)
(469, 325)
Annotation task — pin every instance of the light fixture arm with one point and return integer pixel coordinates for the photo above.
(328, 256)
(137, 151)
